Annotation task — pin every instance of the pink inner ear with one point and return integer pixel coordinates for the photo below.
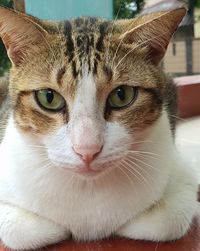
(16, 56)
(155, 55)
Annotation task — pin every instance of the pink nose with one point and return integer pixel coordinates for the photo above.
(87, 154)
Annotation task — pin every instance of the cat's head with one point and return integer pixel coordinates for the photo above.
(88, 90)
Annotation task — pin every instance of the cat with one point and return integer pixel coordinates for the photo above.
(88, 147)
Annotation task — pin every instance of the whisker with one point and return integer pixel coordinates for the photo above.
(123, 171)
(141, 168)
(145, 180)
(179, 118)
(110, 35)
(144, 152)
(131, 171)
(144, 163)
(141, 155)
(139, 176)
(143, 141)
(33, 152)
(46, 41)
(46, 166)
(115, 55)
(117, 49)
(137, 46)
(135, 170)
(37, 146)
(60, 34)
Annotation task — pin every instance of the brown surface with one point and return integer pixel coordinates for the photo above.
(189, 96)
(191, 242)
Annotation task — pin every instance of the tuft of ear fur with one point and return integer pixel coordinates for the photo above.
(19, 33)
(153, 31)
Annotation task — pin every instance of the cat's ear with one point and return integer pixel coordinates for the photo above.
(19, 32)
(152, 31)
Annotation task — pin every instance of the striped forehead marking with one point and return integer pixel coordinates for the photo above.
(80, 43)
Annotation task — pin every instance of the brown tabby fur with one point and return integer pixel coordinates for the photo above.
(121, 52)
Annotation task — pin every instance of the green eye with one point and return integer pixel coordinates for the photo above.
(50, 100)
(122, 96)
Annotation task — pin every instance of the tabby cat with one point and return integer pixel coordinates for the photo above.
(87, 149)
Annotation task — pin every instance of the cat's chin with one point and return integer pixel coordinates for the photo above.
(87, 172)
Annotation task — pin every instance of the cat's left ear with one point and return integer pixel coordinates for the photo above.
(19, 33)
(152, 31)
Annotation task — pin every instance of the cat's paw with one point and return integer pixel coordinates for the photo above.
(169, 219)
(156, 227)
(22, 230)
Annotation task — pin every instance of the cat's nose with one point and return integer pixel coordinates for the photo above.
(87, 154)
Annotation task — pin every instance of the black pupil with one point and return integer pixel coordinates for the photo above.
(49, 96)
(121, 94)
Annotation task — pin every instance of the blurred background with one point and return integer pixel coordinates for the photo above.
(181, 62)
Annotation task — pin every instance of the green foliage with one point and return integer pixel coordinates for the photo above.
(198, 3)
(7, 3)
(127, 8)
(4, 61)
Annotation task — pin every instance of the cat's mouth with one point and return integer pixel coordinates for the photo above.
(96, 169)
(90, 171)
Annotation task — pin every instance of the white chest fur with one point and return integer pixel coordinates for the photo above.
(57, 194)
(90, 209)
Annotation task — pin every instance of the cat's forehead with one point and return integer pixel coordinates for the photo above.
(88, 24)
(85, 42)
(84, 46)
(86, 33)
(77, 45)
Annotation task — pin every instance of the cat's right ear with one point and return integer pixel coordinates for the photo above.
(19, 33)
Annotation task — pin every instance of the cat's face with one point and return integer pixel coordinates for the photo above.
(89, 91)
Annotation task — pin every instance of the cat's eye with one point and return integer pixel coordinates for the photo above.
(50, 100)
(122, 96)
